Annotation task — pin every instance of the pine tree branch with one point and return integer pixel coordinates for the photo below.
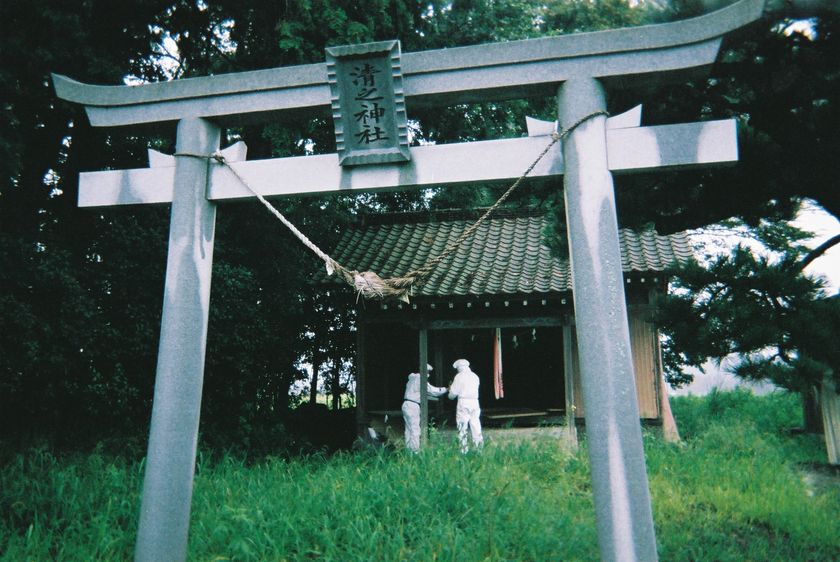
(230, 60)
(816, 253)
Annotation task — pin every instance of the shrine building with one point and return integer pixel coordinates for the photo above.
(504, 282)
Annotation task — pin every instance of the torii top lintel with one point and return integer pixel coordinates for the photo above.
(495, 71)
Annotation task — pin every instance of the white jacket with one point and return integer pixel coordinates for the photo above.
(464, 386)
(412, 389)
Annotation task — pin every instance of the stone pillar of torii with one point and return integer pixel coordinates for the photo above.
(369, 88)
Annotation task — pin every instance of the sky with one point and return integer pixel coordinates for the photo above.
(824, 225)
(811, 218)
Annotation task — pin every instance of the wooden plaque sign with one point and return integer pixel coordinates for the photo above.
(368, 103)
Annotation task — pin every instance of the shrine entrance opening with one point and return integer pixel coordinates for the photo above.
(533, 376)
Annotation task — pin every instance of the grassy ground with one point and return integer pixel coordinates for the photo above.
(733, 491)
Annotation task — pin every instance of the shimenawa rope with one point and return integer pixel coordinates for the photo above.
(367, 283)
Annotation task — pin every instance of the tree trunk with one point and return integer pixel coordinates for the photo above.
(336, 383)
(811, 410)
(281, 403)
(313, 385)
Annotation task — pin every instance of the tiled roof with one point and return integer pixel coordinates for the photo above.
(506, 255)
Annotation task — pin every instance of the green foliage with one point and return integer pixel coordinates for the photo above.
(58, 279)
(734, 491)
(91, 501)
(417, 507)
(777, 319)
(774, 413)
(578, 16)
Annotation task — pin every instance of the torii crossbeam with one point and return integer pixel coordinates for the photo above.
(577, 67)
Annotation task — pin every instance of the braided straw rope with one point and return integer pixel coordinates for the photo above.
(367, 283)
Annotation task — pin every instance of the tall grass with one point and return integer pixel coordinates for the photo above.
(515, 503)
(733, 491)
(79, 507)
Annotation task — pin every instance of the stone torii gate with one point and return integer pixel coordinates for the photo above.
(578, 68)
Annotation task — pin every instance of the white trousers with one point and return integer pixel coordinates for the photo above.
(467, 415)
(411, 417)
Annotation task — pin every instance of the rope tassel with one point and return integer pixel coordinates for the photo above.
(368, 284)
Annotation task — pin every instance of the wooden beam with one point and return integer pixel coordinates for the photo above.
(513, 415)
(439, 369)
(424, 390)
(361, 379)
(830, 408)
(569, 380)
(477, 323)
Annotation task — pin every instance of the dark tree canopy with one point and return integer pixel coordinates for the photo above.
(784, 89)
(779, 78)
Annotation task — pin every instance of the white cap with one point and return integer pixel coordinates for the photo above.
(461, 364)
(428, 370)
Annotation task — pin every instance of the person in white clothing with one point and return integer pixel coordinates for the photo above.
(464, 388)
(411, 408)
